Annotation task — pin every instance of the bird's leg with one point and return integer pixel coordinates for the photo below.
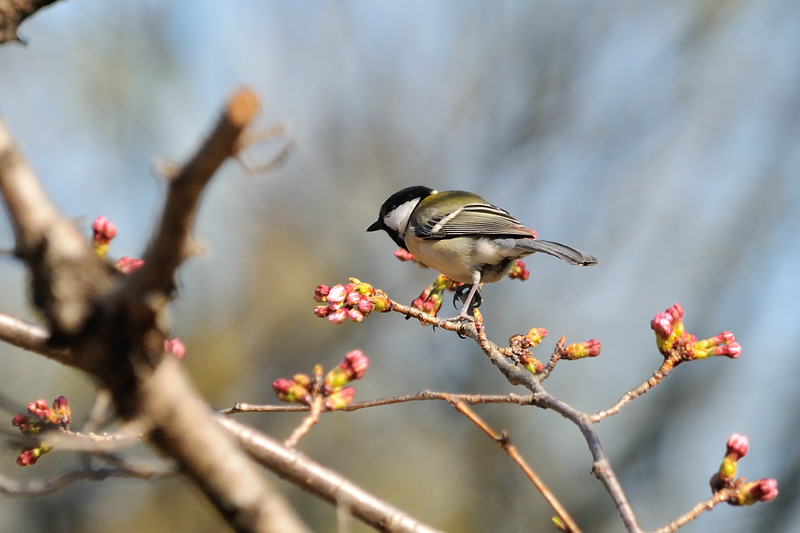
(472, 300)
(461, 294)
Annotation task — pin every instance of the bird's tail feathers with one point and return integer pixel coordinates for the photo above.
(563, 252)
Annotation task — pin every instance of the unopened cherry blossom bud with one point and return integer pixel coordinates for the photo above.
(404, 255)
(175, 347)
(62, 412)
(338, 316)
(579, 350)
(126, 264)
(762, 490)
(321, 293)
(340, 398)
(337, 294)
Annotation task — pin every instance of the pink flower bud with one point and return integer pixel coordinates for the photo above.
(103, 230)
(337, 316)
(340, 398)
(353, 298)
(126, 264)
(62, 412)
(404, 255)
(737, 446)
(590, 348)
(282, 385)
(175, 347)
(356, 363)
(355, 315)
(536, 335)
(365, 306)
(321, 292)
(40, 409)
(28, 457)
(337, 294)
(762, 490)
(322, 311)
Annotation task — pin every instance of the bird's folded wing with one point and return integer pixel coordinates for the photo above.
(473, 220)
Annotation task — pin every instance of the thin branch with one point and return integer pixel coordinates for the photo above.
(308, 422)
(416, 397)
(26, 335)
(723, 495)
(328, 485)
(504, 441)
(13, 13)
(662, 372)
(601, 466)
(41, 486)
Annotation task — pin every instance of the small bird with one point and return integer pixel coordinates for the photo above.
(464, 237)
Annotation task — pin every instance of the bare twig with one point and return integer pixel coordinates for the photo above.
(504, 441)
(668, 364)
(308, 422)
(601, 466)
(721, 496)
(40, 486)
(355, 406)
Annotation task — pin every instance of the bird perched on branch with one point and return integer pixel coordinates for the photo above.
(464, 237)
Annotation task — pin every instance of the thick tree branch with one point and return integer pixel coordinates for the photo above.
(108, 324)
(14, 12)
(169, 245)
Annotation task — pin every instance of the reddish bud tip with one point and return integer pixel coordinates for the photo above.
(175, 347)
(762, 490)
(737, 446)
(126, 264)
(321, 292)
(103, 230)
(355, 363)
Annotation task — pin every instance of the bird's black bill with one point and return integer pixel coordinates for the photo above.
(375, 226)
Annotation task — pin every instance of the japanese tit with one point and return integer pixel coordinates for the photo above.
(464, 237)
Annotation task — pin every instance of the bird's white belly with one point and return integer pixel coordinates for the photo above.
(448, 257)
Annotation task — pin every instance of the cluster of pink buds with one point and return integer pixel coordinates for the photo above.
(520, 346)
(747, 493)
(430, 301)
(302, 388)
(102, 233)
(671, 337)
(354, 300)
(40, 418)
(175, 347)
(579, 350)
(519, 271)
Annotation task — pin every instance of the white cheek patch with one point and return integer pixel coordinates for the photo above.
(398, 218)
